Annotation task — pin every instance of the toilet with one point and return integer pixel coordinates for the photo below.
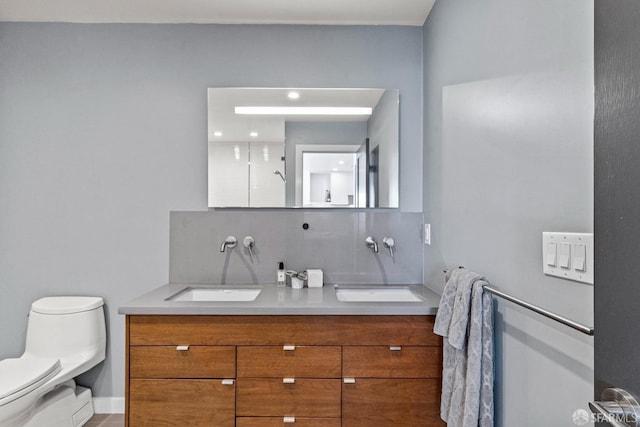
(66, 336)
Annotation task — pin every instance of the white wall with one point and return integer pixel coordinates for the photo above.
(228, 174)
(103, 132)
(342, 185)
(508, 142)
(266, 188)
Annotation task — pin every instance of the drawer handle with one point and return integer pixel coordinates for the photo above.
(288, 347)
(288, 381)
(228, 382)
(182, 348)
(349, 380)
(395, 348)
(289, 420)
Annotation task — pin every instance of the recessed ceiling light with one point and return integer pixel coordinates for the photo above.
(304, 111)
(217, 133)
(253, 134)
(341, 162)
(293, 95)
(335, 169)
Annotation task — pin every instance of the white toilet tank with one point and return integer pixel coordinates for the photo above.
(67, 328)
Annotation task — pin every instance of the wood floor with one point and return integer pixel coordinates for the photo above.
(106, 420)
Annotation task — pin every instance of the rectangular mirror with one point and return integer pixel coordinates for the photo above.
(306, 147)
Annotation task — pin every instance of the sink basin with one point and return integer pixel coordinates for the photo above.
(388, 294)
(216, 294)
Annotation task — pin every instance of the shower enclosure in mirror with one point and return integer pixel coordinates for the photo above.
(329, 148)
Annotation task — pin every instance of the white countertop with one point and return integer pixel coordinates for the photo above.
(274, 300)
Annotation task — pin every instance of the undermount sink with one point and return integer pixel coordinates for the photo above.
(216, 294)
(377, 294)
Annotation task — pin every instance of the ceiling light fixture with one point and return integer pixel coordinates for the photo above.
(293, 95)
(253, 134)
(304, 111)
(217, 133)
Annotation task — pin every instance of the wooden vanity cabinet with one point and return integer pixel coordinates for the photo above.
(289, 381)
(401, 382)
(173, 385)
(309, 371)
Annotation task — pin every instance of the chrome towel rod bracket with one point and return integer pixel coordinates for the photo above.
(588, 330)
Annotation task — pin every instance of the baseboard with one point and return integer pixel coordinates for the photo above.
(108, 405)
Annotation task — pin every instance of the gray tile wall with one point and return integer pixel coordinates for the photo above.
(334, 242)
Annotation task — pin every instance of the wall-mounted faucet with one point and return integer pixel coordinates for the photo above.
(249, 242)
(371, 244)
(229, 242)
(389, 243)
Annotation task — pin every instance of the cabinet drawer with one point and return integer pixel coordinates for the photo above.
(274, 398)
(293, 361)
(192, 403)
(280, 422)
(281, 330)
(392, 362)
(391, 402)
(194, 362)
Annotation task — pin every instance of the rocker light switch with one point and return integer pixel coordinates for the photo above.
(564, 255)
(579, 257)
(551, 254)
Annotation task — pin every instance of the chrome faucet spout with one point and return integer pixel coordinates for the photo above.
(371, 244)
(229, 242)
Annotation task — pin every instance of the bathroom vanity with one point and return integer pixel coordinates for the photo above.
(266, 363)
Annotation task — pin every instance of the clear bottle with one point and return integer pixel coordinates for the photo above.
(281, 278)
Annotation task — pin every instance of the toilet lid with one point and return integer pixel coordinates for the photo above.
(66, 305)
(17, 376)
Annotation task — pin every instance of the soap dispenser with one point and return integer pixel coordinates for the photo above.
(280, 275)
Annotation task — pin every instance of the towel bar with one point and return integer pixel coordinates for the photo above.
(568, 322)
(588, 330)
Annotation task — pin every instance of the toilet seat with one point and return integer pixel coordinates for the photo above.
(21, 376)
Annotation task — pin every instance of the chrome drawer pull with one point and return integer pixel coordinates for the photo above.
(288, 347)
(288, 380)
(182, 348)
(228, 382)
(395, 348)
(349, 380)
(289, 420)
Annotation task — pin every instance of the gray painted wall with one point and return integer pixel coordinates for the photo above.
(103, 132)
(508, 130)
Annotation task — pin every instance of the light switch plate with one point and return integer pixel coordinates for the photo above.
(427, 234)
(580, 264)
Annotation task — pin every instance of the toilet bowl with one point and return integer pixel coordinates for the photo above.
(66, 336)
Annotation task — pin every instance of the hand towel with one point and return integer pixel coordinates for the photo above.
(465, 319)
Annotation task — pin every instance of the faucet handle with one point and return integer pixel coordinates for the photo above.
(389, 243)
(249, 242)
